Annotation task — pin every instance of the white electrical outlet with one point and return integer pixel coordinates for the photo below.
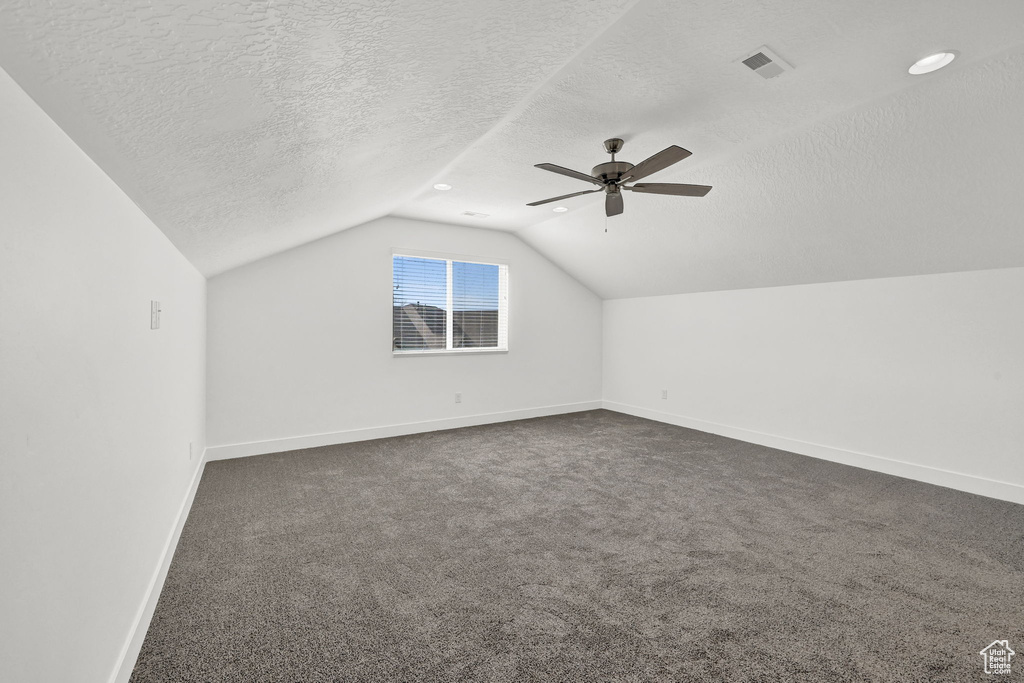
(458, 397)
(664, 393)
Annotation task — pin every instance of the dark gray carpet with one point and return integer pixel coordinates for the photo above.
(593, 546)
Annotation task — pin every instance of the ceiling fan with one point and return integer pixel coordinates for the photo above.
(612, 176)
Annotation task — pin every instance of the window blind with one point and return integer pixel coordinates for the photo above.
(448, 305)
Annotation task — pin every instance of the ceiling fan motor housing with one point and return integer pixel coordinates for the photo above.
(611, 171)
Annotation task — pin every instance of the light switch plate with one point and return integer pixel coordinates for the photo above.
(154, 315)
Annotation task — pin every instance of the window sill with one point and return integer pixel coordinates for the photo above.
(446, 352)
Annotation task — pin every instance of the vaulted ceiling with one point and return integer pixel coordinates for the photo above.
(244, 129)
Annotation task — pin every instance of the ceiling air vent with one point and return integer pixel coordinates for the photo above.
(765, 63)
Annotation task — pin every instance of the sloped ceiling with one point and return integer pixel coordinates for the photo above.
(243, 129)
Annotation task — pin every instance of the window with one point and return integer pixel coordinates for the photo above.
(443, 305)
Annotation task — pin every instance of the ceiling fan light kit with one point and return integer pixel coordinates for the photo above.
(611, 177)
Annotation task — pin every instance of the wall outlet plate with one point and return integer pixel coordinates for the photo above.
(664, 393)
(458, 397)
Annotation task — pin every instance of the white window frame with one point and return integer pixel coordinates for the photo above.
(503, 295)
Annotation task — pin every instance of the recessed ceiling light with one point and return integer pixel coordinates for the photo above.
(932, 62)
(559, 209)
(442, 186)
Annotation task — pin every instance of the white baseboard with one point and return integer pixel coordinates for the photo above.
(293, 443)
(133, 645)
(970, 483)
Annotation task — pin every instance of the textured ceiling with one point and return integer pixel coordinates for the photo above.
(246, 128)
(927, 181)
(243, 129)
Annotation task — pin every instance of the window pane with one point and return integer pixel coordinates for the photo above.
(418, 303)
(474, 305)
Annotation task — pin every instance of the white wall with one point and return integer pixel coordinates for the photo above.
(300, 343)
(96, 410)
(926, 370)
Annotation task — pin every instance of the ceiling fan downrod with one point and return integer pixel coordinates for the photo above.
(612, 172)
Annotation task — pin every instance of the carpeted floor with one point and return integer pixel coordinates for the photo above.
(585, 547)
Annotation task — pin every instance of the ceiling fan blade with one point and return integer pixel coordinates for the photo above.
(662, 159)
(613, 204)
(672, 188)
(564, 196)
(571, 173)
